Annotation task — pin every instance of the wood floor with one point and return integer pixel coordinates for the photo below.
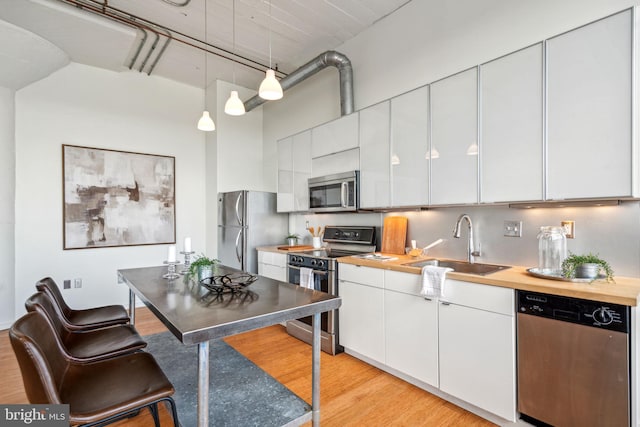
(353, 393)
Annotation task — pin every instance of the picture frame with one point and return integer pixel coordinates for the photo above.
(117, 198)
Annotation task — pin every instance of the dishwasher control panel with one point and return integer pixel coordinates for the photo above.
(603, 315)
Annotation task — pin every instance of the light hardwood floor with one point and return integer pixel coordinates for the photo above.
(353, 393)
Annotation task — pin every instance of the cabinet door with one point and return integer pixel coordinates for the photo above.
(511, 147)
(374, 156)
(409, 145)
(589, 96)
(411, 334)
(361, 320)
(301, 170)
(335, 136)
(343, 161)
(284, 197)
(477, 358)
(454, 133)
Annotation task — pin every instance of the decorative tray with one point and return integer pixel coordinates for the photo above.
(534, 271)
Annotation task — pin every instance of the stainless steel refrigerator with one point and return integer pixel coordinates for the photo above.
(246, 220)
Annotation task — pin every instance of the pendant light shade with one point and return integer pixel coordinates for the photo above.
(234, 106)
(270, 88)
(206, 122)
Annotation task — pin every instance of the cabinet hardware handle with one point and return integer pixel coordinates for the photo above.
(427, 299)
(445, 303)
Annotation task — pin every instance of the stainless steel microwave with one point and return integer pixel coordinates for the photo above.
(334, 193)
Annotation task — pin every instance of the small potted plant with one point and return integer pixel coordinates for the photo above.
(203, 267)
(586, 266)
(292, 239)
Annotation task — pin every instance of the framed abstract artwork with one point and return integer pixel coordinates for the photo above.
(117, 198)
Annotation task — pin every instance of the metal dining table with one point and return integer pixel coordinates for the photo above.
(194, 320)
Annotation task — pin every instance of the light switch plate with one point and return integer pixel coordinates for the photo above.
(569, 229)
(513, 228)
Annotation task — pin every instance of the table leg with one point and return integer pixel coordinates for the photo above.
(132, 307)
(315, 373)
(203, 384)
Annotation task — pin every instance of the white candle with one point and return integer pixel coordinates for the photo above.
(187, 244)
(172, 254)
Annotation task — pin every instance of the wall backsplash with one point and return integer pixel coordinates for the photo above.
(613, 232)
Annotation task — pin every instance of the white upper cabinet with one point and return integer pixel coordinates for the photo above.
(511, 102)
(335, 136)
(454, 134)
(409, 145)
(589, 116)
(294, 170)
(375, 189)
(284, 199)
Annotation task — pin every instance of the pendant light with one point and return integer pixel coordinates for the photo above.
(270, 88)
(234, 106)
(206, 122)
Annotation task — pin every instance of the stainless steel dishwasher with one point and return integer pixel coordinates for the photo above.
(573, 361)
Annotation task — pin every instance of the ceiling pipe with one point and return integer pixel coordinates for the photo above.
(322, 61)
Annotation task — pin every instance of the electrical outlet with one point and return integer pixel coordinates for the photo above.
(67, 284)
(569, 229)
(77, 283)
(513, 228)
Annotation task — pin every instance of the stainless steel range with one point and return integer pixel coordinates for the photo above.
(321, 266)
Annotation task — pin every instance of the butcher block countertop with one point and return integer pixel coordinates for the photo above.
(625, 290)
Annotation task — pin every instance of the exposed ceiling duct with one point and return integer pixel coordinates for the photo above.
(320, 62)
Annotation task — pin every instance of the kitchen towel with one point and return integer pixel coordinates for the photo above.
(306, 277)
(433, 278)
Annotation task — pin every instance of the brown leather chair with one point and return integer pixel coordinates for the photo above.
(87, 346)
(82, 320)
(97, 393)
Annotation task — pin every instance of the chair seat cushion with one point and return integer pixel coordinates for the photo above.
(102, 389)
(102, 343)
(98, 317)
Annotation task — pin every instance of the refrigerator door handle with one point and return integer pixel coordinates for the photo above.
(238, 215)
(238, 249)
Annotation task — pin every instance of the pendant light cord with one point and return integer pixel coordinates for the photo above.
(205, 53)
(233, 65)
(270, 24)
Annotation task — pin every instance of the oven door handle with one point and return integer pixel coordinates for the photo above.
(315, 272)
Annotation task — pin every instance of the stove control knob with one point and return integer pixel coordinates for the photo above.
(313, 262)
(603, 316)
(320, 263)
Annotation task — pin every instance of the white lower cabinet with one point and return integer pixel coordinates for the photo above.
(360, 315)
(411, 327)
(272, 265)
(463, 343)
(477, 346)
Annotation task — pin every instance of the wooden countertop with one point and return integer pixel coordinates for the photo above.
(625, 290)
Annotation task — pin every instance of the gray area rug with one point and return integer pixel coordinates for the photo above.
(240, 393)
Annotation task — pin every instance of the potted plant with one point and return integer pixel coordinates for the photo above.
(586, 266)
(203, 267)
(292, 239)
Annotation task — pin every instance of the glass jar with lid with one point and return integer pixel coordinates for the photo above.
(552, 250)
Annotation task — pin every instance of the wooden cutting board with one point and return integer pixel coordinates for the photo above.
(394, 235)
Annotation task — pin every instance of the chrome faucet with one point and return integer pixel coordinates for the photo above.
(471, 252)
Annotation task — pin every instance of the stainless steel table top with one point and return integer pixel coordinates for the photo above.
(195, 315)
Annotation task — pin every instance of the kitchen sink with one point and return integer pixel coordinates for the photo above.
(460, 266)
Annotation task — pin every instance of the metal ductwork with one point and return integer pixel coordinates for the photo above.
(322, 61)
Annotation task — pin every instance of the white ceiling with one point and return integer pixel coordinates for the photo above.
(300, 30)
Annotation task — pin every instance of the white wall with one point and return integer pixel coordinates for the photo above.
(7, 213)
(425, 41)
(87, 106)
